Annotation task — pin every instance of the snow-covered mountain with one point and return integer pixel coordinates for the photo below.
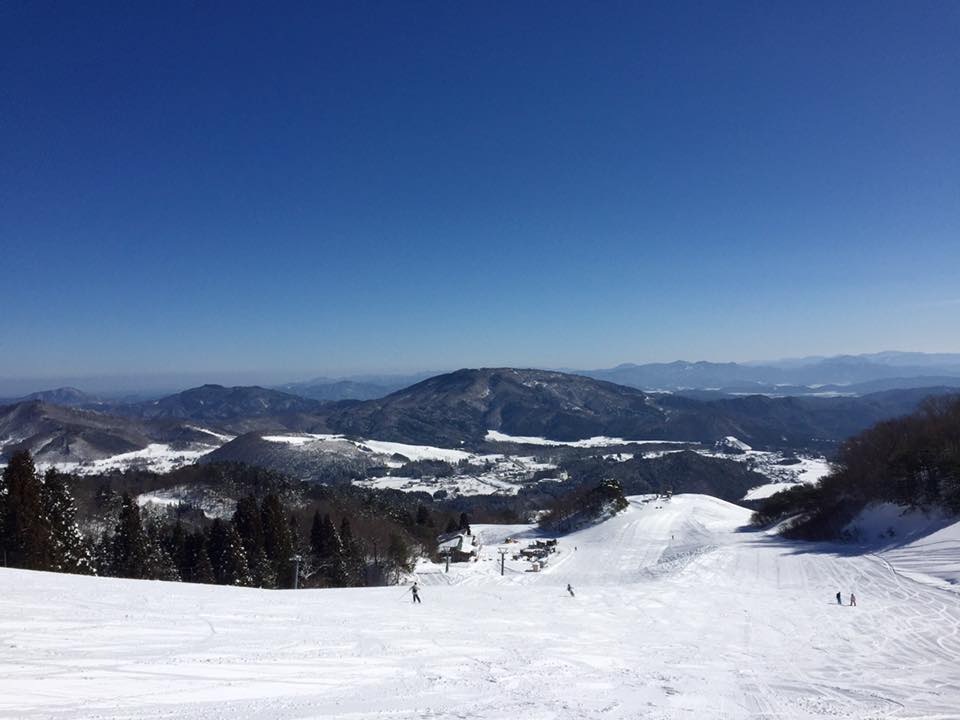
(677, 613)
(56, 435)
(455, 410)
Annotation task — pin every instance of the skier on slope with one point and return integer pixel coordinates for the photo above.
(853, 600)
(570, 590)
(415, 589)
(839, 599)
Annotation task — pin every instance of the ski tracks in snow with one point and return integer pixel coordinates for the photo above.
(677, 615)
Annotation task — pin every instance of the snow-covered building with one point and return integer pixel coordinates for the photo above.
(461, 546)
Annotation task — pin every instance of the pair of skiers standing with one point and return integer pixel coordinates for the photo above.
(853, 599)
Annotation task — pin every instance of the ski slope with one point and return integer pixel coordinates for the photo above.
(677, 614)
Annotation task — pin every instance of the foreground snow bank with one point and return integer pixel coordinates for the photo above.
(678, 614)
(922, 545)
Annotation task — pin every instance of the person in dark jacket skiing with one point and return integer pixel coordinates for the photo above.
(570, 590)
(853, 600)
(839, 598)
(416, 593)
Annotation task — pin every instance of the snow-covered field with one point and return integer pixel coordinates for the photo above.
(157, 457)
(677, 614)
(592, 442)
(809, 470)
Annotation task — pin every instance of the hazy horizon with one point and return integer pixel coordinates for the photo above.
(171, 381)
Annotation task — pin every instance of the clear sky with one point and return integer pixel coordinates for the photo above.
(281, 190)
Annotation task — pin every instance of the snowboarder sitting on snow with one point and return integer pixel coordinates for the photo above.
(415, 589)
(570, 590)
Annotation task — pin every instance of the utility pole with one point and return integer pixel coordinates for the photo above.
(503, 558)
(296, 559)
(446, 556)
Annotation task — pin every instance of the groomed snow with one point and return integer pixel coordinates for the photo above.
(677, 614)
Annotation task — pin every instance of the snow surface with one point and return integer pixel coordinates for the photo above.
(597, 441)
(734, 443)
(924, 546)
(157, 457)
(219, 436)
(677, 614)
(416, 452)
(506, 475)
(381, 447)
(809, 470)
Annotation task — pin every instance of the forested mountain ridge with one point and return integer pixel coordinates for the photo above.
(452, 410)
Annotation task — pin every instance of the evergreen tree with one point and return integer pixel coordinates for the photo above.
(68, 549)
(246, 519)
(352, 555)
(216, 547)
(249, 524)
(321, 540)
(176, 546)
(398, 555)
(346, 536)
(26, 532)
(197, 567)
(262, 572)
(423, 516)
(159, 564)
(328, 550)
(227, 556)
(464, 526)
(103, 555)
(129, 542)
(276, 540)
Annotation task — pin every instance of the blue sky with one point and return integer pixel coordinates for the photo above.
(234, 190)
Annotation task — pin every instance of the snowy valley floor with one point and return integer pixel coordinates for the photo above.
(677, 615)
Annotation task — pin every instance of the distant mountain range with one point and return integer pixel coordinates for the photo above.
(65, 396)
(853, 374)
(236, 409)
(452, 410)
(360, 387)
(459, 408)
(841, 374)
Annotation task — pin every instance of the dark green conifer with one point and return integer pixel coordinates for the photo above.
(276, 539)
(26, 530)
(68, 548)
(129, 542)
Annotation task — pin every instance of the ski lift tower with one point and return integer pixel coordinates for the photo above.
(296, 560)
(503, 557)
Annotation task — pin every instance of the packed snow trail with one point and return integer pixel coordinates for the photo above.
(677, 614)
